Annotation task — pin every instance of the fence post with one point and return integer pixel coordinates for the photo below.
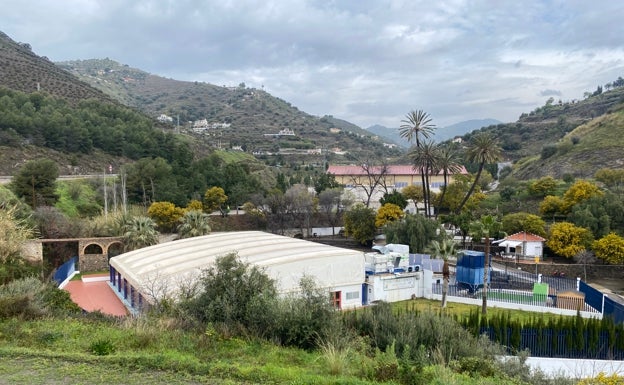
(539, 278)
(578, 283)
(603, 298)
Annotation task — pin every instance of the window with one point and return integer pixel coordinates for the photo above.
(336, 299)
(400, 184)
(352, 295)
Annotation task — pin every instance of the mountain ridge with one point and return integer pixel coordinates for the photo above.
(441, 134)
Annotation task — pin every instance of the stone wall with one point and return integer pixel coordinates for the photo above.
(32, 250)
(93, 263)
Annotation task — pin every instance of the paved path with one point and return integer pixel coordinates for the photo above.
(570, 368)
(96, 295)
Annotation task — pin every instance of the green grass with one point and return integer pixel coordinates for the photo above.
(461, 310)
(95, 350)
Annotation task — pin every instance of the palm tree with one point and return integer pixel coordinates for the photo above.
(194, 223)
(484, 149)
(486, 227)
(140, 232)
(425, 158)
(417, 125)
(448, 163)
(444, 249)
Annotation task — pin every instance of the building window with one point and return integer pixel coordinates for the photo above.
(400, 184)
(336, 299)
(352, 295)
(437, 184)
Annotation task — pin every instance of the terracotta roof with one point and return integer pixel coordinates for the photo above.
(392, 170)
(524, 236)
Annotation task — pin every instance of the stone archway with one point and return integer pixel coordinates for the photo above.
(92, 258)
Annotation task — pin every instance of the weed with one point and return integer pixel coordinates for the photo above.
(102, 347)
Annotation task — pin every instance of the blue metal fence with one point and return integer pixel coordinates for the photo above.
(562, 344)
(65, 270)
(613, 309)
(593, 297)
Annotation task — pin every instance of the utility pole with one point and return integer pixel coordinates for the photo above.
(105, 195)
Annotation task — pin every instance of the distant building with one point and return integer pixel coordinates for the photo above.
(284, 132)
(164, 118)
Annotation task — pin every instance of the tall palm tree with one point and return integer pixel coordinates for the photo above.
(425, 158)
(486, 227)
(444, 249)
(484, 149)
(417, 126)
(194, 223)
(448, 163)
(140, 232)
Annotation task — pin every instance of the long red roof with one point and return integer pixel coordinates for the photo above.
(392, 170)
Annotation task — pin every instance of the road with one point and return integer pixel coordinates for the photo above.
(5, 179)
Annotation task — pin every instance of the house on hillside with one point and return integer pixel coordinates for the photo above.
(523, 245)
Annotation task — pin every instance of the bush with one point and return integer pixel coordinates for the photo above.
(102, 347)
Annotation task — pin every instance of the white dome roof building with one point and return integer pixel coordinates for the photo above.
(142, 276)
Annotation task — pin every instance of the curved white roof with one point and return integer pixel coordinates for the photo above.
(286, 260)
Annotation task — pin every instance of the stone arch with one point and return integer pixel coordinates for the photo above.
(93, 248)
(115, 249)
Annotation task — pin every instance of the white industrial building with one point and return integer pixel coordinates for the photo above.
(141, 275)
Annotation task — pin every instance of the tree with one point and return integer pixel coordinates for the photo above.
(416, 127)
(448, 163)
(413, 193)
(387, 213)
(580, 191)
(13, 233)
(165, 214)
(194, 223)
(147, 177)
(455, 193)
(610, 248)
(139, 232)
(331, 203)
(567, 240)
(359, 223)
(444, 249)
(35, 182)
(530, 223)
(543, 186)
(214, 199)
(551, 206)
(611, 178)
(395, 197)
(484, 149)
(372, 177)
(234, 294)
(324, 182)
(601, 214)
(300, 205)
(425, 159)
(414, 230)
(488, 226)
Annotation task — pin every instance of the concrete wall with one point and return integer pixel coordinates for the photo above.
(32, 251)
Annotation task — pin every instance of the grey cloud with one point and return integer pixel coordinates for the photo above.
(365, 61)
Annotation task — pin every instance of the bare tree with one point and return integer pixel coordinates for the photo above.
(372, 177)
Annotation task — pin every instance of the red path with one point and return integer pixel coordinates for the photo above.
(98, 295)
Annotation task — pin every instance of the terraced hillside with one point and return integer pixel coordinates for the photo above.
(23, 70)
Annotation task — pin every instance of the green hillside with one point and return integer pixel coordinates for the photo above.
(576, 137)
(242, 117)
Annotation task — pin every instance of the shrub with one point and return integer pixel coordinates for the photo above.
(102, 347)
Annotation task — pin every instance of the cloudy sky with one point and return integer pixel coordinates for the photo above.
(366, 61)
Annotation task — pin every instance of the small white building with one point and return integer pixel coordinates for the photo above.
(523, 244)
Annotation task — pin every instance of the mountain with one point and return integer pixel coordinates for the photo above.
(22, 70)
(228, 117)
(441, 134)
